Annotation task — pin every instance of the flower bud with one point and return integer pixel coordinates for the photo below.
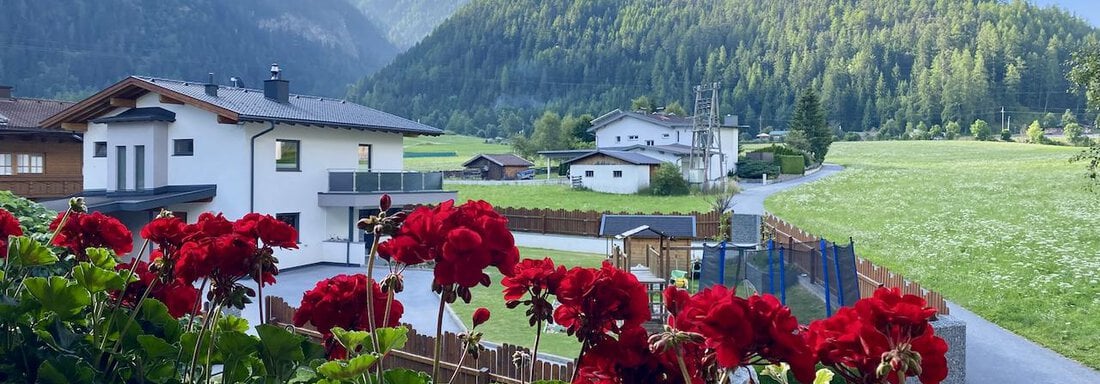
(385, 202)
(481, 315)
(76, 204)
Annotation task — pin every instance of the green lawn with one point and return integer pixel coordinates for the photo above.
(510, 325)
(464, 147)
(564, 197)
(1007, 230)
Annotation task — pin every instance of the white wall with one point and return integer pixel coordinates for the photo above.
(634, 177)
(628, 126)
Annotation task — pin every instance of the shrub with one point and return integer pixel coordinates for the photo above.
(786, 150)
(1006, 135)
(755, 169)
(34, 217)
(851, 136)
(668, 181)
(980, 129)
(791, 165)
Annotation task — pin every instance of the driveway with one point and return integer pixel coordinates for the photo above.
(751, 199)
(420, 303)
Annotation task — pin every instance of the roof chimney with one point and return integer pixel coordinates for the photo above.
(275, 88)
(211, 88)
(5, 91)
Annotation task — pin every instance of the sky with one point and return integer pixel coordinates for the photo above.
(1087, 9)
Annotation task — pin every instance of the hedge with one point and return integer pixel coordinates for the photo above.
(791, 165)
(429, 154)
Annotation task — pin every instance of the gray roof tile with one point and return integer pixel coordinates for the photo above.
(672, 226)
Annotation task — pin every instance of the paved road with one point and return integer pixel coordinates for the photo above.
(421, 305)
(993, 354)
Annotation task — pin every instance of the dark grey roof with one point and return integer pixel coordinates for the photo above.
(502, 159)
(26, 114)
(102, 201)
(139, 114)
(671, 226)
(675, 149)
(670, 121)
(564, 154)
(251, 105)
(629, 157)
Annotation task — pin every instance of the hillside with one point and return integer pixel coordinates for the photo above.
(66, 49)
(406, 22)
(872, 60)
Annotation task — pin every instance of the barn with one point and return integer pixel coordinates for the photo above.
(504, 166)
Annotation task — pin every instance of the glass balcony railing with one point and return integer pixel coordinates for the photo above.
(372, 181)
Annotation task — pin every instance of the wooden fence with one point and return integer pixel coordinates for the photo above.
(871, 276)
(494, 365)
(587, 223)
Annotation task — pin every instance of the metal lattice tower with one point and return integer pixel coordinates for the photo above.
(706, 141)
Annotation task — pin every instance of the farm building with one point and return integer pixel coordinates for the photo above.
(612, 171)
(646, 239)
(498, 166)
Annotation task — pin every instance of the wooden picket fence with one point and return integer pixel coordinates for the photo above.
(587, 223)
(871, 276)
(494, 365)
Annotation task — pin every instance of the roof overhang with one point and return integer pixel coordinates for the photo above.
(135, 201)
(121, 94)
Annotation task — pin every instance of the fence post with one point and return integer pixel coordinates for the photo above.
(771, 270)
(825, 272)
(782, 278)
(483, 375)
(544, 214)
(721, 265)
(839, 283)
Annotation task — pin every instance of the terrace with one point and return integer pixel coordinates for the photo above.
(363, 188)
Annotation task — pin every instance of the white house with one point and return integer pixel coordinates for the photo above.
(613, 171)
(663, 136)
(191, 147)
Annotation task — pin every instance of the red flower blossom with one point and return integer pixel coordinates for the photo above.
(94, 230)
(629, 359)
(888, 330)
(385, 202)
(179, 296)
(533, 276)
(338, 302)
(481, 315)
(9, 226)
(462, 241)
(165, 232)
(597, 301)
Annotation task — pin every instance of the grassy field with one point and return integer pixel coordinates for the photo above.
(464, 147)
(510, 325)
(564, 197)
(1006, 230)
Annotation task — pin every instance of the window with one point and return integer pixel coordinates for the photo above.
(618, 139)
(291, 219)
(632, 137)
(664, 135)
(616, 173)
(183, 147)
(288, 155)
(139, 167)
(99, 149)
(5, 164)
(649, 142)
(364, 156)
(120, 170)
(589, 173)
(182, 215)
(30, 163)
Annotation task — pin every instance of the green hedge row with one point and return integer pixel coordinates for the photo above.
(430, 154)
(791, 165)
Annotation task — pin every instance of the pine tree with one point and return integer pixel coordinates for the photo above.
(809, 122)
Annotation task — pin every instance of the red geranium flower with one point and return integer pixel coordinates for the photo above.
(629, 359)
(533, 276)
(180, 297)
(338, 302)
(481, 315)
(597, 301)
(9, 226)
(887, 332)
(165, 232)
(94, 230)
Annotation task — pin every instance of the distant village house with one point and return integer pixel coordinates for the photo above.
(36, 162)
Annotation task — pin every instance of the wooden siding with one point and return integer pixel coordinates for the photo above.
(587, 223)
(62, 173)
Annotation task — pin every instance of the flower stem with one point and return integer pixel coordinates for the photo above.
(683, 367)
(260, 292)
(118, 300)
(459, 367)
(535, 351)
(60, 225)
(198, 342)
(370, 298)
(210, 347)
(130, 321)
(195, 309)
(438, 339)
(577, 364)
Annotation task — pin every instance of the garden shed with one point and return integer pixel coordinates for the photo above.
(612, 171)
(503, 166)
(646, 239)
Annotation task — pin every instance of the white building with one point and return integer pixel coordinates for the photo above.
(666, 137)
(613, 171)
(189, 147)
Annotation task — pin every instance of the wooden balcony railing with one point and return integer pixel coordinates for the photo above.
(38, 188)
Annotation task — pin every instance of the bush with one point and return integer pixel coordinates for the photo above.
(668, 181)
(34, 217)
(755, 169)
(852, 136)
(791, 165)
(1006, 135)
(786, 150)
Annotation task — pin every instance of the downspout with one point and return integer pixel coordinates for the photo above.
(252, 167)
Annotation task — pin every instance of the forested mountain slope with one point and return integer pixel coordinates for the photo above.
(62, 48)
(871, 60)
(407, 21)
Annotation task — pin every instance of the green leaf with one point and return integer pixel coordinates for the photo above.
(406, 376)
(96, 279)
(59, 295)
(280, 350)
(24, 251)
(156, 348)
(230, 323)
(238, 351)
(352, 340)
(388, 339)
(102, 257)
(391, 338)
(63, 369)
(155, 314)
(347, 369)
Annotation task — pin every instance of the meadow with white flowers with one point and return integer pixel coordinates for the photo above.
(1009, 231)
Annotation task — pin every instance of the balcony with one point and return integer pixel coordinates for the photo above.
(37, 187)
(363, 188)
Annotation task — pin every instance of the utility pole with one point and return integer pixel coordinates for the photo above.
(1002, 118)
(705, 136)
